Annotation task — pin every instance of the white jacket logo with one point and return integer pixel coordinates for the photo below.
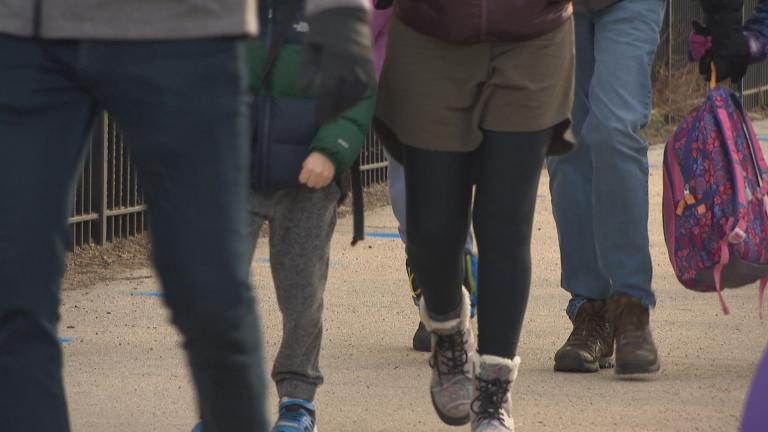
(301, 27)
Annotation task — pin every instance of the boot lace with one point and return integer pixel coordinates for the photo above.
(492, 394)
(450, 357)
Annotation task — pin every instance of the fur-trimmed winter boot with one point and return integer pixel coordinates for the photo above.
(492, 393)
(452, 345)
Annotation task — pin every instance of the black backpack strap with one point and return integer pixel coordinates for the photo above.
(358, 210)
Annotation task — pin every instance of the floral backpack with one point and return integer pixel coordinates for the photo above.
(715, 207)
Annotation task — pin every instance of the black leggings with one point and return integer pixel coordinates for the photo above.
(506, 170)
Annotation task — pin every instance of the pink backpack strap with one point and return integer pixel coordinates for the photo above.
(725, 257)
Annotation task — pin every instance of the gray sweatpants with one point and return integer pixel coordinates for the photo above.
(301, 223)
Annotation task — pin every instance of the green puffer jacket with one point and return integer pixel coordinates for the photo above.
(285, 131)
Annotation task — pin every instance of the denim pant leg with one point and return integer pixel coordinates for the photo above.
(396, 188)
(44, 120)
(626, 39)
(570, 184)
(183, 107)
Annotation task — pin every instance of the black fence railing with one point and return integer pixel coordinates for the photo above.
(108, 202)
(373, 162)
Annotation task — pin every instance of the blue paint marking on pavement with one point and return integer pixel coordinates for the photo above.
(384, 235)
(262, 260)
(147, 294)
(762, 137)
(541, 196)
(65, 340)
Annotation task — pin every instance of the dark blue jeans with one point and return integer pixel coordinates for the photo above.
(183, 108)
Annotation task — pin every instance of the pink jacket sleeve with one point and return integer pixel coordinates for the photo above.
(379, 26)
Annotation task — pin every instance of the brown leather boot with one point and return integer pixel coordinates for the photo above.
(635, 351)
(589, 348)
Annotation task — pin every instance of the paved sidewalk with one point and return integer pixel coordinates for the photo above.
(125, 371)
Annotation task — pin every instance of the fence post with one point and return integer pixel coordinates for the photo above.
(741, 81)
(103, 155)
(670, 48)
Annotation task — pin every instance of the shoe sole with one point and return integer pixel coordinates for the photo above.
(578, 366)
(450, 421)
(422, 348)
(421, 343)
(637, 369)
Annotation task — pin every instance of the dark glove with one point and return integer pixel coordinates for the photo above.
(730, 48)
(338, 60)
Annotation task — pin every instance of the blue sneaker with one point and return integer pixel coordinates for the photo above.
(296, 415)
(198, 427)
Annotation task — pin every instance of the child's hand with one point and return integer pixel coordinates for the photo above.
(317, 171)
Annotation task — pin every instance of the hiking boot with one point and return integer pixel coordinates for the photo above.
(296, 415)
(451, 383)
(589, 348)
(492, 399)
(422, 340)
(635, 351)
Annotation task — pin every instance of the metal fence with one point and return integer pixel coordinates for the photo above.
(673, 52)
(373, 162)
(108, 202)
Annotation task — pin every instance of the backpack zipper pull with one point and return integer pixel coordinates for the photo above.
(689, 197)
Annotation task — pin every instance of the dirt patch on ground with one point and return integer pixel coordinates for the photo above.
(91, 264)
(658, 130)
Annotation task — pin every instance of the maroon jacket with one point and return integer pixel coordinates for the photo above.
(472, 21)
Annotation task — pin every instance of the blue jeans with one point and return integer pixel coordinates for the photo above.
(600, 191)
(183, 107)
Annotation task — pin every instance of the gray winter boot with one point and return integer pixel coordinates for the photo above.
(492, 399)
(452, 345)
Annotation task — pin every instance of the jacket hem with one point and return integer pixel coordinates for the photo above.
(148, 31)
(15, 28)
